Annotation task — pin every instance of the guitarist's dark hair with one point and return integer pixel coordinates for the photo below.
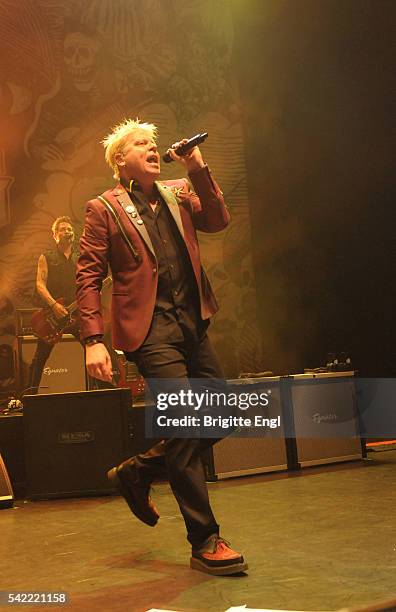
(58, 221)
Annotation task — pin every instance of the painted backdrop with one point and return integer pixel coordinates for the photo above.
(69, 71)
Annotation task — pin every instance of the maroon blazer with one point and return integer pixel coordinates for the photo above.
(135, 277)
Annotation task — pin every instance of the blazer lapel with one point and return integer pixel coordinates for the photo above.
(171, 200)
(125, 201)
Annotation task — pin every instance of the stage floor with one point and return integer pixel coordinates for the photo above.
(322, 539)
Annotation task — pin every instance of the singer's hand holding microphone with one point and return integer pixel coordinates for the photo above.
(187, 152)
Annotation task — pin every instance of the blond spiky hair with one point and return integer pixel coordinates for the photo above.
(115, 141)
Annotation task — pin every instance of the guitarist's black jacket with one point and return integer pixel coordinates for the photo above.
(61, 280)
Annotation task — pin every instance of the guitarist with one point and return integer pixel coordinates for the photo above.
(56, 278)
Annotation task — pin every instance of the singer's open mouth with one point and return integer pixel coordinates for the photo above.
(153, 159)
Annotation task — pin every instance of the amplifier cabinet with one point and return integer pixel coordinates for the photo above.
(23, 321)
(6, 492)
(73, 439)
(12, 449)
(252, 452)
(325, 418)
(64, 370)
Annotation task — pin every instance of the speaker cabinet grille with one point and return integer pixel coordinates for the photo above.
(64, 370)
(243, 456)
(73, 439)
(240, 455)
(325, 419)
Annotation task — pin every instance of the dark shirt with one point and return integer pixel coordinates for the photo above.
(61, 281)
(177, 286)
(177, 296)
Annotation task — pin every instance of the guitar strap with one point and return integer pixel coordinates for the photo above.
(120, 226)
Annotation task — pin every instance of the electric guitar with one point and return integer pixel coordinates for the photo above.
(127, 375)
(47, 326)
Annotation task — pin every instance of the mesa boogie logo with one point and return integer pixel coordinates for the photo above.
(75, 437)
(48, 371)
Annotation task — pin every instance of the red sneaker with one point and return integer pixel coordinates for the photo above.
(216, 557)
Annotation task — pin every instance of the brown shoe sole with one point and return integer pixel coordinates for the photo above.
(147, 518)
(224, 570)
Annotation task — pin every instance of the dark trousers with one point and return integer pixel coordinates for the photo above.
(183, 355)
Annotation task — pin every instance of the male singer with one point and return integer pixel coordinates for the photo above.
(162, 301)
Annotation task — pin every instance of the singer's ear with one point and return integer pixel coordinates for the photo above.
(119, 159)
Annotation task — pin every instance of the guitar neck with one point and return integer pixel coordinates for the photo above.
(72, 307)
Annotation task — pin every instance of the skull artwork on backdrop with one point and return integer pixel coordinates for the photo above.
(81, 59)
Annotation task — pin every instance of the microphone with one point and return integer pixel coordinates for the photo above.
(185, 148)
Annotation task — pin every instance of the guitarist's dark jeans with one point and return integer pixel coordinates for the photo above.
(43, 351)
